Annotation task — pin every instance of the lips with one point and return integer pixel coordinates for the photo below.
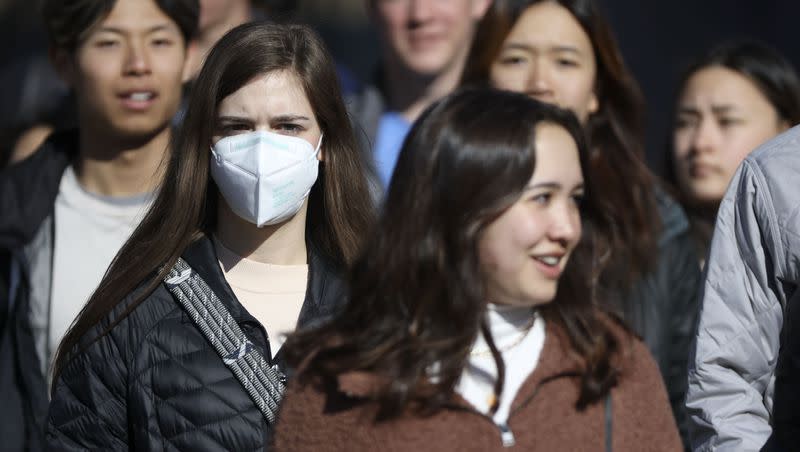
(423, 40)
(137, 100)
(698, 170)
(550, 265)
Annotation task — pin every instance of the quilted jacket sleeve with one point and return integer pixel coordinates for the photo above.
(731, 368)
(89, 408)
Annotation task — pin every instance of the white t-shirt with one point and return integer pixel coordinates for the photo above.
(89, 231)
(520, 345)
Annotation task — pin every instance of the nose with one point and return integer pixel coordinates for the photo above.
(565, 224)
(419, 11)
(137, 59)
(705, 136)
(538, 84)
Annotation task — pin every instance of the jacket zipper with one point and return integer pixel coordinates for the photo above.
(506, 434)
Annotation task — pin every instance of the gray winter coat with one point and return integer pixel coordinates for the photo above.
(750, 281)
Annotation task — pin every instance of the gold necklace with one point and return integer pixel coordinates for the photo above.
(517, 341)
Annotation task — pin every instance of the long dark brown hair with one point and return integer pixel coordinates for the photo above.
(340, 207)
(615, 132)
(417, 293)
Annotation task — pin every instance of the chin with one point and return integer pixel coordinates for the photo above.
(707, 195)
(428, 65)
(142, 126)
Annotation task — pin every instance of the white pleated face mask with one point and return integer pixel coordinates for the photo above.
(265, 177)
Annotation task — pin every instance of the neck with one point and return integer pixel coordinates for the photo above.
(115, 166)
(410, 93)
(281, 244)
(238, 13)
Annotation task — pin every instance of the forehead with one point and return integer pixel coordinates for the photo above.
(272, 94)
(720, 84)
(393, 9)
(557, 157)
(135, 15)
(549, 24)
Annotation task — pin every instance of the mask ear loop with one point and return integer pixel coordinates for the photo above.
(319, 145)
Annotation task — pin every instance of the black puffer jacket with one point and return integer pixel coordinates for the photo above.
(28, 191)
(155, 383)
(663, 306)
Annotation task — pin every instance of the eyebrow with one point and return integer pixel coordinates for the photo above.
(716, 109)
(553, 49)
(281, 118)
(121, 31)
(552, 186)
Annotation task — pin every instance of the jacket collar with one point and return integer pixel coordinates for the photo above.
(554, 362)
(29, 188)
(325, 291)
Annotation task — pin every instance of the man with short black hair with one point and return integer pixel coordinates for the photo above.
(67, 209)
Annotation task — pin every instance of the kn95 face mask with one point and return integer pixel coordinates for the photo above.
(265, 177)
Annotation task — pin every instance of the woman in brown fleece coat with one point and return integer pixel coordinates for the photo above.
(471, 325)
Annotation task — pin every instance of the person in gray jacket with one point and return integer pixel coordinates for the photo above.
(743, 353)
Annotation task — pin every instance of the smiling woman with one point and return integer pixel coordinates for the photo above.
(264, 203)
(563, 52)
(473, 297)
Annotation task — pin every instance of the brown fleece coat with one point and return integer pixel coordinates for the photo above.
(543, 416)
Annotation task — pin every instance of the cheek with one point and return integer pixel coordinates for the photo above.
(170, 63)
(578, 93)
(503, 78)
(681, 144)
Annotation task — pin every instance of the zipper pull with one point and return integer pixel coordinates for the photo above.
(506, 435)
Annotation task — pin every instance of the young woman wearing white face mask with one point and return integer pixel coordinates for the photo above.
(264, 204)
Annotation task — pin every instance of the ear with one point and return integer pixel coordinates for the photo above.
(64, 64)
(479, 8)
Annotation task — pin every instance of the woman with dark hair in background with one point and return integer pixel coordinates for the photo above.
(471, 325)
(731, 100)
(563, 52)
(738, 176)
(263, 204)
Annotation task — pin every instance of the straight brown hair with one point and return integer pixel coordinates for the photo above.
(340, 208)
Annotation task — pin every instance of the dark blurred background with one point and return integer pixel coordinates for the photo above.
(658, 39)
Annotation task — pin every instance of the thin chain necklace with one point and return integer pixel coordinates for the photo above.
(518, 340)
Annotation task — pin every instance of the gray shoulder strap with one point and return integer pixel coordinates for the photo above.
(264, 384)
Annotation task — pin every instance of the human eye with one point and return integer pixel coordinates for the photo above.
(512, 59)
(289, 128)
(727, 121)
(162, 42)
(577, 199)
(567, 62)
(683, 122)
(106, 43)
(233, 128)
(540, 198)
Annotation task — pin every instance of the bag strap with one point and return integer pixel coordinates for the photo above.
(264, 383)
